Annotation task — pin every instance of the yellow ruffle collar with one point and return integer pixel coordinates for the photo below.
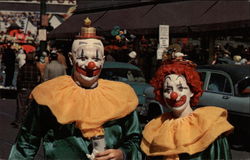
(89, 108)
(168, 137)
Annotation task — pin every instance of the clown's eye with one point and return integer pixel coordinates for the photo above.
(168, 89)
(82, 58)
(180, 88)
(96, 59)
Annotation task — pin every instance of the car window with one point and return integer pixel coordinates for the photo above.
(122, 74)
(202, 76)
(243, 87)
(219, 83)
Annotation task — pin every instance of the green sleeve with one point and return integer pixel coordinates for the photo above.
(30, 134)
(132, 137)
(219, 149)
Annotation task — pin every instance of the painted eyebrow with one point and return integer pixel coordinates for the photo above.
(178, 76)
(168, 78)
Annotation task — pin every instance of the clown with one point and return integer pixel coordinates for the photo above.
(184, 133)
(88, 55)
(82, 116)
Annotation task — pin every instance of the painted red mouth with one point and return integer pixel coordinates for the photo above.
(174, 103)
(88, 72)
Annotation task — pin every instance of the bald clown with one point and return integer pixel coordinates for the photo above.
(81, 116)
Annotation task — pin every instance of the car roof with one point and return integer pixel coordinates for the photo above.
(110, 64)
(237, 72)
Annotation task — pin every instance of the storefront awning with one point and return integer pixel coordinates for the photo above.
(183, 17)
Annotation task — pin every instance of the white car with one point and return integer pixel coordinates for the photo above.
(228, 86)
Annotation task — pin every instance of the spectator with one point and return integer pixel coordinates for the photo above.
(61, 58)
(237, 59)
(27, 79)
(21, 56)
(9, 58)
(43, 60)
(54, 68)
(225, 58)
(133, 58)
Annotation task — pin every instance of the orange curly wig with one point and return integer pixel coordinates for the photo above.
(181, 68)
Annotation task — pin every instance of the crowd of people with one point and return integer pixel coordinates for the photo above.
(23, 71)
(20, 18)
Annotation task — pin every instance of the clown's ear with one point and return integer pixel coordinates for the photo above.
(72, 58)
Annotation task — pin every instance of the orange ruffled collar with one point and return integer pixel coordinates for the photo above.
(166, 136)
(89, 108)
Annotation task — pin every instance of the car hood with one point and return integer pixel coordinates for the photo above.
(139, 88)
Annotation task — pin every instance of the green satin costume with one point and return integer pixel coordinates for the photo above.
(67, 142)
(218, 150)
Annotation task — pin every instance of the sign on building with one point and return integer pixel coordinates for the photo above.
(163, 40)
(164, 36)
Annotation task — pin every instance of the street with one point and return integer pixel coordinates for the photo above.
(8, 133)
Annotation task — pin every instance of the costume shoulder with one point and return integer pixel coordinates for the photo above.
(46, 89)
(166, 135)
(90, 108)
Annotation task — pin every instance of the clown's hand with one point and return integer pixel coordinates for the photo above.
(92, 155)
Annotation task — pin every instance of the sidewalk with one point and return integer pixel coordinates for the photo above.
(7, 93)
(7, 132)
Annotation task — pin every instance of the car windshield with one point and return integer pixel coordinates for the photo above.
(244, 87)
(122, 74)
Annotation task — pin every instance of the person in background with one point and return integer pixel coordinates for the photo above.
(185, 133)
(237, 59)
(170, 51)
(27, 79)
(43, 60)
(81, 116)
(21, 56)
(61, 58)
(133, 58)
(225, 58)
(9, 59)
(54, 68)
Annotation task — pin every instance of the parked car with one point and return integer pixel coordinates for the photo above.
(228, 86)
(153, 107)
(130, 74)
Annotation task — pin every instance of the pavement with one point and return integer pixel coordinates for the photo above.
(8, 132)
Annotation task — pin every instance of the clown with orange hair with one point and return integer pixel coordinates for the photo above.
(185, 133)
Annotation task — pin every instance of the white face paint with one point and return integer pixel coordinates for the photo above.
(88, 58)
(176, 92)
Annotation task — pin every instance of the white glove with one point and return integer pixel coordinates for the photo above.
(92, 155)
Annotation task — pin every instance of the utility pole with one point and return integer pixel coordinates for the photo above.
(43, 25)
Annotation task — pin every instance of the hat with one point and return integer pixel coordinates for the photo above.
(179, 54)
(132, 54)
(87, 31)
(237, 58)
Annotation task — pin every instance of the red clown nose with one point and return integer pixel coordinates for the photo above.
(173, 96)
(91, 65)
